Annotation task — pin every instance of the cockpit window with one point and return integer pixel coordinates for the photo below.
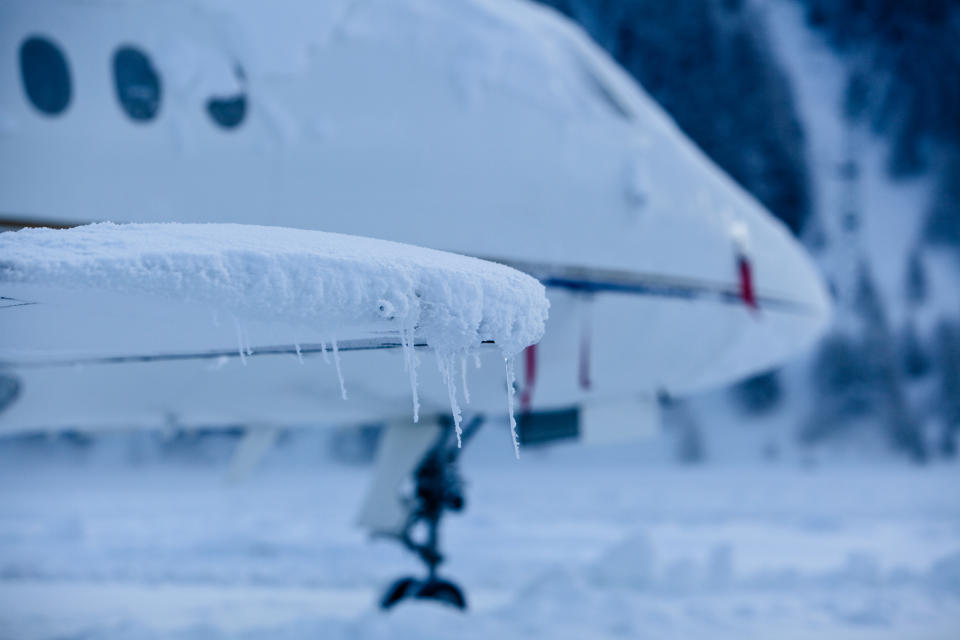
(229, 112)
(137, 83)
(605, 91)
(45, 74)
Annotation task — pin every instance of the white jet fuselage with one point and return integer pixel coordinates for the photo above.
(493, 129)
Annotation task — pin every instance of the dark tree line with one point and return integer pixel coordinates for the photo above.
(905, 81)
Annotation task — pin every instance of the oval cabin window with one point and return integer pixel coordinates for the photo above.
(45, 74)
(230, 111)
(137, 83)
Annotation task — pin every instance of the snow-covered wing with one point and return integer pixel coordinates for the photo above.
(110, 294)
(311, 283)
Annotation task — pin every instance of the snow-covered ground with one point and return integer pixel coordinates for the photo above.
(566, 543)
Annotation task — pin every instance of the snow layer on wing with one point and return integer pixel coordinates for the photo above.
(327, 281)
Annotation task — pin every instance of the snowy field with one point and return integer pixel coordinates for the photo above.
(567, 543)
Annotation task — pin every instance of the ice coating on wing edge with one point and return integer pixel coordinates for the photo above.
(338, 284)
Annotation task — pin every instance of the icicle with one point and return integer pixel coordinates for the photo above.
(511, 382)
(323, 350)
(299, 355)
(240, 346)
(336, 361)
(410, 365)
(445, 364)
(463, 378)
(585, 313)
(476, 359)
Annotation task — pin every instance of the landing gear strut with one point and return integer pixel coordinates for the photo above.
(437, 487)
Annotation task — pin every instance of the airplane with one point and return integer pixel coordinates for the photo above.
(490, 128)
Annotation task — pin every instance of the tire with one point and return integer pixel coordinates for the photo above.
(402, 588)
(443, 591)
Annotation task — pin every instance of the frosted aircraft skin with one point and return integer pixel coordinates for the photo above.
(493, 129)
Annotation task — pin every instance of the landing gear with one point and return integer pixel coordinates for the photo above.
(437, 488)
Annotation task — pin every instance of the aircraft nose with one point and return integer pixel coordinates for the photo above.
(784, 298)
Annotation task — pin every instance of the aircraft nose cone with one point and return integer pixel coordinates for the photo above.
(789, 306)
